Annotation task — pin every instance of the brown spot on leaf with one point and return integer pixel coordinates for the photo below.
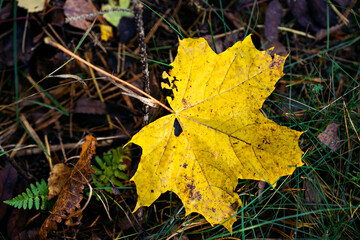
(197, 195)
(184, 102)
(193, 194)
(191, 188)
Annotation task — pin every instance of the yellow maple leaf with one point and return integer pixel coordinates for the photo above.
(217, 133)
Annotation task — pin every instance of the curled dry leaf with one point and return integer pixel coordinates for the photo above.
(58, 177)
(217, 133)
(71, 194)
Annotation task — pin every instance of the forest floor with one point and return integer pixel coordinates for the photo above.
(50, 102)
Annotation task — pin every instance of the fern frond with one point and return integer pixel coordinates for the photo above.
(31, 197)
(110, 169)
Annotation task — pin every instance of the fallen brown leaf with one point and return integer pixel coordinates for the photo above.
(68, 204)
(272, 20)
(76, 8)
(330, 136)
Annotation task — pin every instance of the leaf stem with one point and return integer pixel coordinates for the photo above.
(49, 41)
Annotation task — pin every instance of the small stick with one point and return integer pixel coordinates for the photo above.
(140, 26)
(49, 41)
(90, 15)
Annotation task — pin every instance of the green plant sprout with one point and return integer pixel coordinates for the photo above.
(111, 170)
(316, 89)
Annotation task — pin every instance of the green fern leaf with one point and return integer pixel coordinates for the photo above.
(25, 204)
(37, 202)
(45, 187)
(31, 197)
(99, 162)
(30, 203)
(17, 203)
(19, 199)
(29, 193)
(26, 197)
(97, 170)
(34, 189)
(44, 201)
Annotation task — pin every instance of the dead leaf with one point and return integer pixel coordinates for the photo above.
(126, 29)
(32, 6)
(27, 234)
(8, 178)
(311, 192)
(217, 133)
(322, 33)
(315, 15)
(321, 13)
(106, 32)
(17, 218)
(5, 11)
(76, 8)
(300, 10)
(7, 46)
(90, 106)
(330, 137)
(72, 193)
(58, 176)
(272, 20)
